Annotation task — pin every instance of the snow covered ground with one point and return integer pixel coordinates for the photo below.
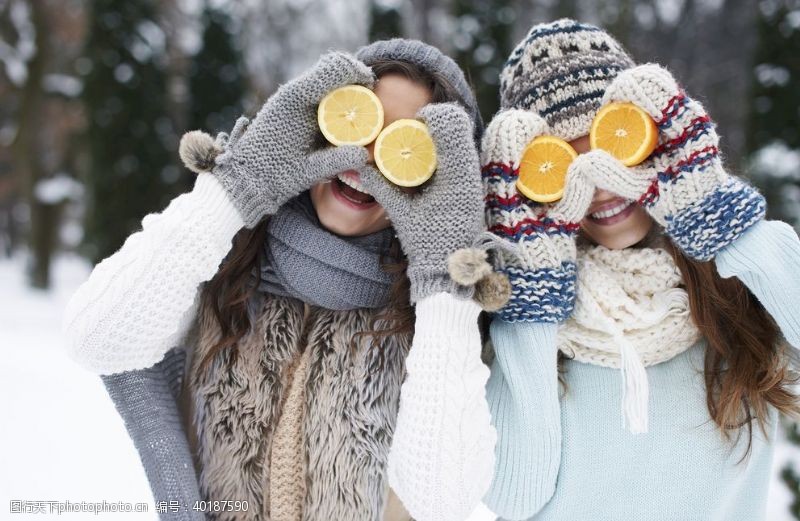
(60, 437)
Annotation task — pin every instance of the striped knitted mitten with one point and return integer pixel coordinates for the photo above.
(537, 242)
(683, 185)
(447, 214)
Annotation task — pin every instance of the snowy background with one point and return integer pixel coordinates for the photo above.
(94, 95)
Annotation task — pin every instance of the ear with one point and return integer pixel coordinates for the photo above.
(198, 151)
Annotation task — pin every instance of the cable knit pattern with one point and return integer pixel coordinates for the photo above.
(448, 214)
(441, 458)
(287, 473)
(268, 161)
(537, 248)
(139, 302)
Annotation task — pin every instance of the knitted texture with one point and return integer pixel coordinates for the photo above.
(145, 294)
(448, 213)
(299, 253)
(683, 185)
(539, 252)
(440, 462)
(560, 71)
(287, 483)
(635, 292)
(431, 60)
(147, 401)
(566, 457)
(268, 161)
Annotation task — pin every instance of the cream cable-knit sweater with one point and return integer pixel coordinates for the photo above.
(139, 303)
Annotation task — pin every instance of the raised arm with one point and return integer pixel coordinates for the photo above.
(139, 302)
(767, 259)
(442, 453)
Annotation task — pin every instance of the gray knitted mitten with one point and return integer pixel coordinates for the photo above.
(268, 161)
(447, 214)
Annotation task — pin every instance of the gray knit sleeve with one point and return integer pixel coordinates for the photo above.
(147, 401)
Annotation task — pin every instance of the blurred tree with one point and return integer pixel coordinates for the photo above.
(773, 137)
(385, 21)
(129, 135)
(482, 39)
(216, 83)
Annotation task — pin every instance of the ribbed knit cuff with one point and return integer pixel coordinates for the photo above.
(425, 284)
(444, 313)
(767, 259)
(544, 295)
(708, 225)
(523, 398)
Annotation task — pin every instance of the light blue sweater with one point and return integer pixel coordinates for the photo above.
(570, 459)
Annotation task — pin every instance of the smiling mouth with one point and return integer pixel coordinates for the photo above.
(611, 214)
(347, 188)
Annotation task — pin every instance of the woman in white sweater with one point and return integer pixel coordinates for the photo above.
(300, 311)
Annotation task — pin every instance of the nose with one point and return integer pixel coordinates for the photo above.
(601, 195)
(371, 152)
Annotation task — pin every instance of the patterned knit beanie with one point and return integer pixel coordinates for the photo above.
(429, 59)
(560, 71)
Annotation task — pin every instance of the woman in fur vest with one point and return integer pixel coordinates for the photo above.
(308, 290)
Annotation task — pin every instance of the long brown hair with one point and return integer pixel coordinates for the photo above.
(228, 292)
(746, 367)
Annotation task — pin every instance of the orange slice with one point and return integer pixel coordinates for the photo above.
(350, 115)
(405, 153)
(543, 168)
(625, 131)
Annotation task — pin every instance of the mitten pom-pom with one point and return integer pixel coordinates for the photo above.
(468, 265)
(492, 292)
(198, 151)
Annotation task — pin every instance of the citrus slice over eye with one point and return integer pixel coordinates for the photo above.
(350, 115)
(543, 169)
(625, 131)
(405, 153)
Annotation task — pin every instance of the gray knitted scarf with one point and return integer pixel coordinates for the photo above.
(309, 263)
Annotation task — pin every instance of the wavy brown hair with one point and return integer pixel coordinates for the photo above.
(746, 366)
(226, 295)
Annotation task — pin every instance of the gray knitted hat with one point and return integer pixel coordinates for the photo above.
(561, 70)
(430, 59)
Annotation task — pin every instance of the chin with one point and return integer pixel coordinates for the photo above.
(619, 234)
(343, 211)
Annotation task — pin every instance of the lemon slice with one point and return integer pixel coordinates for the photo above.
(405, 153)
(350, 115)
(625, 131)
(543, 168)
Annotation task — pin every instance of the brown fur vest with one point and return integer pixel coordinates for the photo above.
(350, 407)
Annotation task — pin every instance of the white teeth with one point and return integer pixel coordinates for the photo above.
(352, 183)
(613, 211)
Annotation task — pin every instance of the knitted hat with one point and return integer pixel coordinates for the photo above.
(429, 59)
(561, 70)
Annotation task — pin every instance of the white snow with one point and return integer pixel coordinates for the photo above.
(56, 189)
(64, 84)
(60, 436)
(15, 56)
(777, 160)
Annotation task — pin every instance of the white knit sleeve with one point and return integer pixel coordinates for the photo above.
(138, 303)
(442, 456)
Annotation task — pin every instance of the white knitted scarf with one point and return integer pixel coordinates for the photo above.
(631, 312)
